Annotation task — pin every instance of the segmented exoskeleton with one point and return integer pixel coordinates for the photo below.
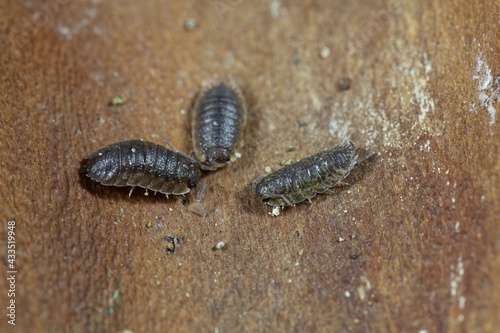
(144, 164)
(218, 117)
(306, 178)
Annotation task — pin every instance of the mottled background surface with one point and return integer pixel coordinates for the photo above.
(411, 246)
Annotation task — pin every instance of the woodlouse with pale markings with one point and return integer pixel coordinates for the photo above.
(218, 117)
(144, 164)
(304, 179)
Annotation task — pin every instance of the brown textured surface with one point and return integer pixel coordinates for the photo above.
(421, 216)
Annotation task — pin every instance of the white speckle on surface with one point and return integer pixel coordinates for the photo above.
(461, 302)
(347, 293)
(267, 169)
(237, 155)
(457, 226)
(484, 79)
(453, 200)
(183, 112)
(423, 331)
(64, 30)
(325, 52)
(220, 245)
(341, 239)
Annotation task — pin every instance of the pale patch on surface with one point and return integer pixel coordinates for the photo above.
(419, 75)
(456, 277)
(484, 79)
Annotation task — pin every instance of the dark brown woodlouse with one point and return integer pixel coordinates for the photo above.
(144, 164)
(218, 118)
(304, 179)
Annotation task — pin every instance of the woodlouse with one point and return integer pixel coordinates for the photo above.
(304, 179)
(218, 117)
(144, 164)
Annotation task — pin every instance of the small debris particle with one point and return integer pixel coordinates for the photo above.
(341, 239)
(183, 112)
(347, 294)
(325, 52)
(267, 169)
(302, 124)
(286, 162)
(296, 60)
(301, 252)
(190, 24)
(172, 242)
(355, 256)
(170, 209)
(276, 211)
(77, 131)
(345, 83)
(219, 246)
(149, 224)
(237, 155)
(290, 149)
(117, 100)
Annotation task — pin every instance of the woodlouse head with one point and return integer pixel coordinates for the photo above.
(265, 192)
(218, 156)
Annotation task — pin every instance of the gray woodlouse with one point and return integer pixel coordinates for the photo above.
(144, 164)
(304, 179)
(218, 118)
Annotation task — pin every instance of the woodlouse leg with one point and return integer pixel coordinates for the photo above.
(146, 192)
(131, 190)
(206, 167)
(199, 195)
(282, 196)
